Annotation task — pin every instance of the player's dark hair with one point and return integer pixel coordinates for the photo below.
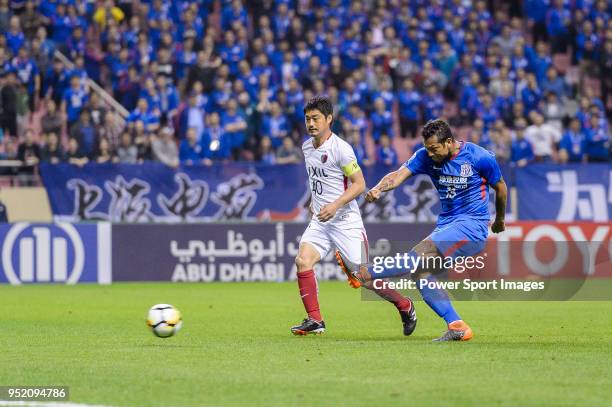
(438, 128)
(320, 103)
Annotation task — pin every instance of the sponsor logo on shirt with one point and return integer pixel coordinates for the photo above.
(316, 172)
(466, 170)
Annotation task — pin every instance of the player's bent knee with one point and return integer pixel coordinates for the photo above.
(303, 263)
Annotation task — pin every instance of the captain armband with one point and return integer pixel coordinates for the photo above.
(350, 168)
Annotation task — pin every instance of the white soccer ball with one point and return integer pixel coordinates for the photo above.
(164, 320)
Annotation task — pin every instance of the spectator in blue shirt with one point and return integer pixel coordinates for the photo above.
(168, 98)
(447, 60)
(266, 151)
(558, 22)
(352, 95)
(231, 53)
(540, 61)
(191, 26)
(27, 72)
(554, 83)
(144, 114)
(79, 70)
(192, 116)
(519, 60)
(487, 111)
(119, 65)
(351, 50)
(356, 119)
(295, 99)
(587, 42)
(505, 102)
(354, 138)
(216, 145)
(409, 104)
(479, 135)
(15, 39)
(85, 133)
(535, 11)
(275, 125)
(289, 69)
(129, 88)
(531, 95)
(55, 81)
(233, 13)
(281, 20)
(46, 44)
(597, 140)
(468, 99)
(521, 152)
(76, 44)
(302, 56)
(234, 124)
(151, 94)
(73, 100)
(185, 58)
(385, 153)
(190, 151)
(583, 112)
(433, 103)
(382, 120)
(249, 79)
(220, 95)
(386, 94)
(61, 24)
(571, 146)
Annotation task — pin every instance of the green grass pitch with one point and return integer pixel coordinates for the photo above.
(235, 349)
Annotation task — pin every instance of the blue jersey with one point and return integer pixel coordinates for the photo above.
(461, 181)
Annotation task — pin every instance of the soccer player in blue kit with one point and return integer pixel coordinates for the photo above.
(461, 172)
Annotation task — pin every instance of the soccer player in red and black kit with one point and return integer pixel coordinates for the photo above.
(335, 181)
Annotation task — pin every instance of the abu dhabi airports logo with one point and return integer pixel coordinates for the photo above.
(43, 254)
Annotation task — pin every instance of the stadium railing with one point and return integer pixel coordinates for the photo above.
(104, 95)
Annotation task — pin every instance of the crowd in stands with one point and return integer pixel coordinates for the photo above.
(207, 81)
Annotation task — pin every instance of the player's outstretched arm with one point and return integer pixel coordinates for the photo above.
(356, 188)
(501, 194)
(390, 181)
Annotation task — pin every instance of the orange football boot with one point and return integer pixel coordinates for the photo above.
(457, 331)
(352, 280)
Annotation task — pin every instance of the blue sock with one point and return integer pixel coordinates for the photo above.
(438, 300)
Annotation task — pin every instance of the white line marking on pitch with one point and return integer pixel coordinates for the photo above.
(46, 404)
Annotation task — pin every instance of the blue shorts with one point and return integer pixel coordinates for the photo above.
(461, 237)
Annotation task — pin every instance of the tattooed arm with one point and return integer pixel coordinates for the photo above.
(390, 181)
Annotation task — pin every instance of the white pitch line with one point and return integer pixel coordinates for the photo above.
(46, 404)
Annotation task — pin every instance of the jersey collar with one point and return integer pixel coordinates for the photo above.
(461, 144)
(324, 143)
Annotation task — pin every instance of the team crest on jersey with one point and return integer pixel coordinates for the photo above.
(466, 170)
(324, 158)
